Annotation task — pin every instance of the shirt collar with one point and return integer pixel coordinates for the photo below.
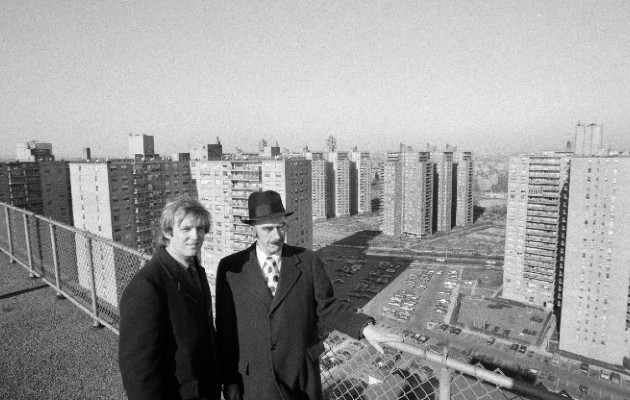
(262, 256)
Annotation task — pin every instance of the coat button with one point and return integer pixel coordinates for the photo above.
(273, 347)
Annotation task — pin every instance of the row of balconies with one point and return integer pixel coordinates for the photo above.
(540, 249)
(540, 220)
(538, 264)
(537, 277)
(544, 214)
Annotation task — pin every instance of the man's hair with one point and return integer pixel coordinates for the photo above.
(174, 213)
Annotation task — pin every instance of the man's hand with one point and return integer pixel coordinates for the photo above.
(231, 392)
(375, 335)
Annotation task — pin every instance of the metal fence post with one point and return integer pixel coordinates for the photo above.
(445, 378)
(11, 258)
(90, 262)
(27, 237)
(53, 245)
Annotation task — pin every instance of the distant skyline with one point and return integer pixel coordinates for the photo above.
(490, 77)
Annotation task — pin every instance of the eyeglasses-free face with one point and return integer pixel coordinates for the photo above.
(271, 235)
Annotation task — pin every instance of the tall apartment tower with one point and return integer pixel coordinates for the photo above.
(141, 146)
(588, 140)
(206, 152)
(407, 194)
(331, 144)
(595, 314)
(123, 200)
(34, 151)
(224, 187)
(442, 190)
(536, 228)
(340, 194)
(39, 187)
(360, 182)
(321, 170)
(462, 210)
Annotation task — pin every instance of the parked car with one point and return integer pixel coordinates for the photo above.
(583, 389)
(615, 378)
(584, 367)
(604, 374)
(522, 349)
(491, 341)
(514, 347)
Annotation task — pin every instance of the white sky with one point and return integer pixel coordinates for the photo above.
(487, 76)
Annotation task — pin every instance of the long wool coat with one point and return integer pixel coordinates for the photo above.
(166, 344)
(271, 345)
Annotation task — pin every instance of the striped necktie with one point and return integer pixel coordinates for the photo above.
(272, 274)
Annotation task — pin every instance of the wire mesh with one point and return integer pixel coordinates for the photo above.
(4, 233)
(354, 370)
(41, 248)
(126, 265)
(18, 240)
(74, 275)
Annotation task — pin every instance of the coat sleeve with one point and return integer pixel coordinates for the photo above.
(226, 335)
(138, 352)
(332, 312)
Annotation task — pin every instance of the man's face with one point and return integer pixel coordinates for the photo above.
(187, 238)
(270, 235)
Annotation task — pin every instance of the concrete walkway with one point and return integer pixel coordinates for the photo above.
(48, 347)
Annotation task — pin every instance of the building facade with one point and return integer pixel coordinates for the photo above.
(536, 228)
(224, 188)
(595, 315)
(34, 151)
(442, 190)
(123, 200)
(339, 193)
(141, 146)
(39, 187)
(360, 182)
(462, 202)
(407, 194)
(206, 152)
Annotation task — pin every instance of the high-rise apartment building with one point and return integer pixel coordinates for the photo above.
(595, 314)
(360, 182)
(40, 187)
(442, 190)
(123, 200)
(588, 140)
(462, 211)
(536, 228)
(339, 195)
(331, 144)
(320, 188)
(141, 146)
(207, 152)
(224, 188)
(34, 151)
(407, 194)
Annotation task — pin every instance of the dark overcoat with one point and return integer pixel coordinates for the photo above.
(166, 344)
(271, 345)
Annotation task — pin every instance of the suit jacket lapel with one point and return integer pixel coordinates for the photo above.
(253, 279)
(289, 274)
(176, 272)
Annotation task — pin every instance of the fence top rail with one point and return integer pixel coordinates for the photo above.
(78, 231)
(478, 372)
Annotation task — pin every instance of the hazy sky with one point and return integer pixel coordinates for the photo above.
(487, 76)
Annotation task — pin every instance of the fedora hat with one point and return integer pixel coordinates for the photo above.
(264, 205)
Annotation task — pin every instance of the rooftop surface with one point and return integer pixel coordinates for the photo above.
(49, 348)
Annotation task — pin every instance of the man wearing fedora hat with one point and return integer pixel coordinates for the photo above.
(271, 299)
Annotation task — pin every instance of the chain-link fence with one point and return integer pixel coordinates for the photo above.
(92, 272)
(88, 270)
